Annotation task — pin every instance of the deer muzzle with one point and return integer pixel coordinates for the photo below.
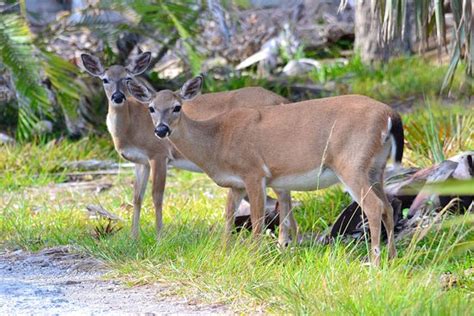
(162, 130)
(118, 97)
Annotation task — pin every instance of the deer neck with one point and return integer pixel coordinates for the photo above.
(118, 122)
(196, 140)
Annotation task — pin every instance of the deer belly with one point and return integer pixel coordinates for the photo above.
(134, 154)
(185, 165)
(228, 180)
(308, 181)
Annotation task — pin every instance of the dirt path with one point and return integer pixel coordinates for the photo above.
(60, 281)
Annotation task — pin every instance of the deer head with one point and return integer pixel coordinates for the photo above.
(115, 77)
(165, 106)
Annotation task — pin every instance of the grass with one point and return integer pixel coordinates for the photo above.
(306, 279)
(39, 163)
(434, 132)
(401, 78)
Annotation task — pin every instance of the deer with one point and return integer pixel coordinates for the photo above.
(132, 129)
(304, 146)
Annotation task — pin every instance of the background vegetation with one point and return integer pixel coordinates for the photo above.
(48, 87)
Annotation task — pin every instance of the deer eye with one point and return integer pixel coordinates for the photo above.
(151, 109)
(177, 108)
(105, 80)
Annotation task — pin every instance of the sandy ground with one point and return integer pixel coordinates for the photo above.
(61, 281)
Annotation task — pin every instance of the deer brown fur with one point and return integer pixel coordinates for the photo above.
(301, 146)
(131, 127)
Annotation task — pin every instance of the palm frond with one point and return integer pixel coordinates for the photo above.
(168, 17)
(62, 75)
(18, 54)
(194, 59)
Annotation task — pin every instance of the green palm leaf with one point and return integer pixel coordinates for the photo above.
(167, 17)
(62, 75)
(18, 54)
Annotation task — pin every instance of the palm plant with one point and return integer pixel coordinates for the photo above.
(17, 53)
(430, 18)
(27, 60)
(176, 19)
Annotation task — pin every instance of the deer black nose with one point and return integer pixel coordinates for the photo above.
(118, 97)
(162, 130)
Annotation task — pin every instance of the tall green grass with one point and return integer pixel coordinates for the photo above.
(39, 163)
(190, 256)
(434, 132)
(400, 79)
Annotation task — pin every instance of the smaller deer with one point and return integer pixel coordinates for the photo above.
(302, 146)
(131, 126)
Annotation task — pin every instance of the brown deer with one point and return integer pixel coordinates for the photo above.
(131, 127)
(302, 146)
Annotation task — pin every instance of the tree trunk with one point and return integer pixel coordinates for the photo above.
(368, 28)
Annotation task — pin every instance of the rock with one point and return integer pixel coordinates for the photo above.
(215, 62)
(300, 67)
(43, 127)
(465, 168)
(90, 165)
(7, 140)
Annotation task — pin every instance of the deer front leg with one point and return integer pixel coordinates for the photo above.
(256, 190)
(234, 197)
(158, 176)
(142, 173)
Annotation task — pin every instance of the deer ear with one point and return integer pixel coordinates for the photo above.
(92, 65)
(191, 88)
(139, 91)
(139, 64)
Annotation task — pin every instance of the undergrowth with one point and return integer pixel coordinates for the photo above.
(190, 255)
(304, 279)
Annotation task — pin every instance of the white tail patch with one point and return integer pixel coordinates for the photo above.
(393, 150)
(386, 134)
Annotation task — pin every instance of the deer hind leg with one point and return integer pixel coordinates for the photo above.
(142, 173)
(376, 180)
(256, 190)
(387, 213)
(234, 197)
(388, 222)
(363, 193)
(158, 176)
(288, 224)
